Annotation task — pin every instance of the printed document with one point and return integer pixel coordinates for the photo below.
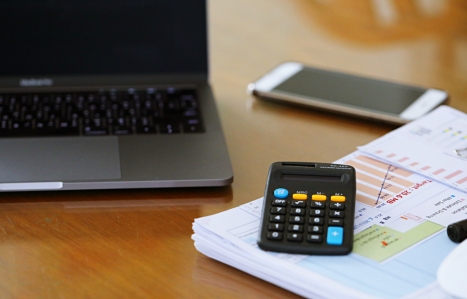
(401, 217)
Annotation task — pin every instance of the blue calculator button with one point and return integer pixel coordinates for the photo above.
(281, 193)
(335, 235)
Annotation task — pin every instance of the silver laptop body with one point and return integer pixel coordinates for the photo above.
(107, 52)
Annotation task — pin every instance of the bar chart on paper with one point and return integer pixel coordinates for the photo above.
(448, 171)
(397, 208)
(386, 192)
(443, 135)
(378, 182)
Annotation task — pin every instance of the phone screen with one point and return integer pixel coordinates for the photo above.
(350, 90)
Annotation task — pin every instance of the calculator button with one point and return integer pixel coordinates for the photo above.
(276, 236)
(298, 203)
(297, 211)
(299, 196)
(296, 228)
(338, 198)
(276, 227)
(281, 193)
(316, 212)
(318, 204)
(294, 237)
(316, 220)
(336, 214)
(337, 206)
(279, 202)
(336, 222)
(297, 219)
(335, 235)
(277, 218)
(318, 197)
(278, 210)
(314, 238)
(315, 229)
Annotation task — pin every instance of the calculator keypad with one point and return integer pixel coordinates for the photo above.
(303, 218)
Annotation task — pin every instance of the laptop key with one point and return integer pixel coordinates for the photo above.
(169, 128)
(141, 129)
(22, 132)
(95, 131)
(192, 128)
(5, 124)
(66, 124)
(58, 132)
(117, 130)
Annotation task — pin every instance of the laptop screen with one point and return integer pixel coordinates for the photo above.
(102, 37)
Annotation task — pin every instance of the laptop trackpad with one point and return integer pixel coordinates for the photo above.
(59, 159)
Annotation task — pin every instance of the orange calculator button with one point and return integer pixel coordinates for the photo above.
(299, 196)
(318, 197)
(338, 198)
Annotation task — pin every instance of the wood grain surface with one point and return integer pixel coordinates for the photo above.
(137, 243)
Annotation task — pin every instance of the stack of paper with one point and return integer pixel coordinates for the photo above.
(405, 199)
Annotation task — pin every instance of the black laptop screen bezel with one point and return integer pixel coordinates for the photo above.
(102, 42)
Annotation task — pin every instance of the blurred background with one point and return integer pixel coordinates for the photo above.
(419, 42)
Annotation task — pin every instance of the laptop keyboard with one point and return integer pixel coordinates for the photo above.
(149, 111)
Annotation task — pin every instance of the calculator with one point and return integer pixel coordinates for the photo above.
(308, 208)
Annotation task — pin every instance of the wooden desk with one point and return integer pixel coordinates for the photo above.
(136, 243)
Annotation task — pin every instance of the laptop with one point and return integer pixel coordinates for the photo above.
(100, 94)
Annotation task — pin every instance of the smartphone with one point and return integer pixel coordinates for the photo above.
(369, 98)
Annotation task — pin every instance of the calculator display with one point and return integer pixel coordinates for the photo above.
(311, 178)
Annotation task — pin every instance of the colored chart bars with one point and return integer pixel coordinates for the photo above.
(433, 146)
(378, 182)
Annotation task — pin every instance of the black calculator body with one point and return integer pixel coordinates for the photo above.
(308, 209)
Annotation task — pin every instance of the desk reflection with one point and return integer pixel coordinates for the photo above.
(95, 238)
